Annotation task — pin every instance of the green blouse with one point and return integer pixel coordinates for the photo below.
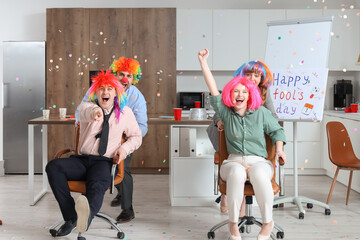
(246, 134)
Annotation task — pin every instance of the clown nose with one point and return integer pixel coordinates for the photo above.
(124, 80)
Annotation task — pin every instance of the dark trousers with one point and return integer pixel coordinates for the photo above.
(95, 170)
(126, 187)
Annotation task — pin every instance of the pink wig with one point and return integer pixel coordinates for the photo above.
(254, 100)
(107, 78)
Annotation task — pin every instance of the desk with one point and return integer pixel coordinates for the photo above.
(31, 125)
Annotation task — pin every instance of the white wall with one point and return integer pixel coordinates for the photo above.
(24, 20)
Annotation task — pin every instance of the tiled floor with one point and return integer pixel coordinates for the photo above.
(156, 219)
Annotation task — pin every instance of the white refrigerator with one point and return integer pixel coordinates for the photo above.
(23, 98)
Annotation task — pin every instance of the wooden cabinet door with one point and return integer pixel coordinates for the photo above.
(110, 36)
(67, 37)
(154, 46)
(153, 154)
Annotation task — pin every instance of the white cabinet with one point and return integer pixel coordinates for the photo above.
(191, 178)
(303, 13)
(345, 43)
(230, 39)
(308, 146)
(194, 32)
(259, 29)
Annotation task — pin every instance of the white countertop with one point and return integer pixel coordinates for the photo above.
(342, 114)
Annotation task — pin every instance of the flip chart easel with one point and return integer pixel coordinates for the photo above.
(297, 52)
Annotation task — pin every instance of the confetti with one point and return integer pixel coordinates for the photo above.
(180, 32)
(344, 70)
(332, 34)
(70, 55)
(73, 103)
(334, 222)
(345, 16)
(269, 2)
(351, 6)
(17, 79)
(294, 53)
(135, 56)
(306, 161)
(164, 161)
(344, 144)
(54, 106)
(166, 136)
(101, 33)
(355, 129)
(158, 94)
(30, 90)
(279, 38)
(41, 108)
(302, 168)
(333, 167)
(51, 60)
(301, 62)
(180, 73)
(159, 170)
(145, 60)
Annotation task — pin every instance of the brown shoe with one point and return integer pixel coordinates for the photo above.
(126, 215)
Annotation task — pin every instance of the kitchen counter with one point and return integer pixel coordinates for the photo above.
(341, 114)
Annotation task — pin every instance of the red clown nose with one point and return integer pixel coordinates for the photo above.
(124, 80)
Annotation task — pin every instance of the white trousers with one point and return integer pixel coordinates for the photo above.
(235, 170)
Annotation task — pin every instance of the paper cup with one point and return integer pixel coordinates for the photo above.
(197, 104)
(177, 114)
(354, 108)
(62, 113)
(46, 113)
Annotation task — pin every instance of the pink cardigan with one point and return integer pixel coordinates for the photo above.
(89, 128)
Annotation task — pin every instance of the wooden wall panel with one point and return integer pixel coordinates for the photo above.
(110, 35)
(154, 44)
(67, 37)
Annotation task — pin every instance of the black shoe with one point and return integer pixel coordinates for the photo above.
(126, 215)
(66, 229)
(116, 201)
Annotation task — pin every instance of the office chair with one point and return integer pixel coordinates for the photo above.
(341, 153)
(248, 219)
(80, 187)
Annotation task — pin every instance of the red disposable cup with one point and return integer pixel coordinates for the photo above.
(197, 104)
(348, 110)
(354, 108)
(177, 114)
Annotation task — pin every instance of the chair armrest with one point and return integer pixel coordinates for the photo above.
(62, 152)
(281, 177)
(113, 171)
(216, 158)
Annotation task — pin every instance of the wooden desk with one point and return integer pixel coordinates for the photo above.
(31, 125)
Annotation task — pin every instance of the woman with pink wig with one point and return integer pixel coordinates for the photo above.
(245, 122)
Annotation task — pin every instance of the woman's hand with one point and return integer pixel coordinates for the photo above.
(280, 157)
(203, 55)
(220, 126)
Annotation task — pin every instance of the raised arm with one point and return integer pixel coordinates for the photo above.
(209, 78)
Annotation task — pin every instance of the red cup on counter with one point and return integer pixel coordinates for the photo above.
(348, 110)
(354, 108)
(197, 104)
(177, 114)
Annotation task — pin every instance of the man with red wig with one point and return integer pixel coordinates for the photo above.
(128, 72)
(103, 121)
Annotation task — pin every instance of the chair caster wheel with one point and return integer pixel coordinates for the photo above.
(53, 232)
(120, 235)
(327, 212)
(211, 235)
(309, 205)
(81, 238)
(280, 235)
(301, 215)
(242, 229)
(276, 206)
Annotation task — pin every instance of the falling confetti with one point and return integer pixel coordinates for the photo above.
(54, 106)
(166, 136)
(30, 90)
(158, 94)
(73, 103)
(180, 32)
(164, 161)
(355, 129)
(41, 108)
(333, 167)
(302, 169)
(306, 161)
(334, 222)
(344, 144)
(181, 73)
(344, 70)
(301, 62)
(279, 38)
(269, 2)
(101, 33)
(17, 79)
(51, 60)
(70, 55)
(135, 56)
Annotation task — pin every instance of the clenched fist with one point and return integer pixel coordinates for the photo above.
(97, 114)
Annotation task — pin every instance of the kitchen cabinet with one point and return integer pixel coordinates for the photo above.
(308, 145)
(194, 33)
(230, 39)
(344, 47)
(259, 29)
(191, 166)
(80, 40)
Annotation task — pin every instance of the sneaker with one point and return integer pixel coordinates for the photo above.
(83, 213)
(66, 229)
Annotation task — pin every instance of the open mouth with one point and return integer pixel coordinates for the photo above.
(239, 101)
(124, 85)
(105, 99)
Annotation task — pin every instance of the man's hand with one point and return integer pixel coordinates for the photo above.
(220, 126)
(97, 114)
(120, 155)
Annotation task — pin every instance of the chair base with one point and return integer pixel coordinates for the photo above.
(298, 200)
(120, 234)
(246, 222)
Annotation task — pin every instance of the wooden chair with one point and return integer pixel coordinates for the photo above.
(248, 219)
(80, 187)
(341, 153)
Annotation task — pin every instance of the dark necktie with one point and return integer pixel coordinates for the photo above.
(104, 134)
